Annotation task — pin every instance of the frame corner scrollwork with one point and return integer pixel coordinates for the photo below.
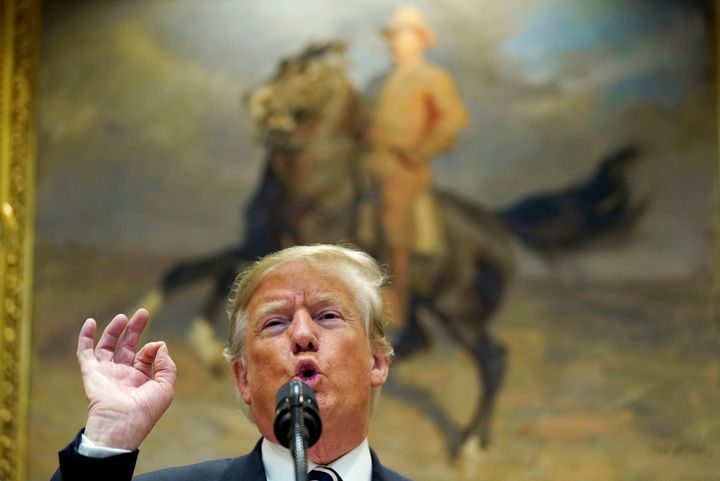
(19, 39)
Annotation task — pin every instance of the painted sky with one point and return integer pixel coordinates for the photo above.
(632, 52)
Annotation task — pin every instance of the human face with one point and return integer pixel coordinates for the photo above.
(304, 324)
(407, 45)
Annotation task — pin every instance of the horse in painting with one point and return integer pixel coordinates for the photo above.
(315, 189)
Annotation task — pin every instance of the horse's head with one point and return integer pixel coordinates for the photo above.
(309, 94)
(306, 114)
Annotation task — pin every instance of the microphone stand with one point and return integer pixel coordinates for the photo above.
(298, 446)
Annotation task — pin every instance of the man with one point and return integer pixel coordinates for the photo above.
(417, 116)
(311, 313)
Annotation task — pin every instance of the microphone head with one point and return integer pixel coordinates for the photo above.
(296, 395)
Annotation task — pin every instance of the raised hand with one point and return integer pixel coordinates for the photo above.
(128, 390)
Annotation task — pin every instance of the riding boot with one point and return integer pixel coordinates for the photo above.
(399, 289)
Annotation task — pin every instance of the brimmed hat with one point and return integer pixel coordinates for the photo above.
(410, 17)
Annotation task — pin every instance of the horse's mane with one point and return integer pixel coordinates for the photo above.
(314, 51)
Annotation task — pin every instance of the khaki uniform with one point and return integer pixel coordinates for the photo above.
(417, 115)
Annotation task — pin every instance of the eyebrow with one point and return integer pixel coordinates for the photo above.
(330, 299)
(270, 307)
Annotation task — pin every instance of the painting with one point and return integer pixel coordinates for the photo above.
(577, 190)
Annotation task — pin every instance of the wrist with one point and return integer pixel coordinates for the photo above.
(113, 435)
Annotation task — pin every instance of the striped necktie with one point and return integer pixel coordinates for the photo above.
(323, 473)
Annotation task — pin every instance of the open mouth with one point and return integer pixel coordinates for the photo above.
(306, 371)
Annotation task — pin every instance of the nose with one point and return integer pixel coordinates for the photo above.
(302, 333)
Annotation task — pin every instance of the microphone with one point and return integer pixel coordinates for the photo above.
(297, 422)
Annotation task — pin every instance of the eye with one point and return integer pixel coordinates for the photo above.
(273, 323)
(329, 316)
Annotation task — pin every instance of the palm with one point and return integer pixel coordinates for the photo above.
(113, 384)
(128, 390)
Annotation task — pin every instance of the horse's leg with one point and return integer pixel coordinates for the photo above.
(152, 301)
(201, 336)
(465, 306)
(490, 356)
(188, 272)
(174, 278)
(488, 353)
(412, 337)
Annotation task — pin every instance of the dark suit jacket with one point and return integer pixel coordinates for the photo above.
(75, 467)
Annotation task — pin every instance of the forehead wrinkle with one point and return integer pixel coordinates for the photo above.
(323, 297)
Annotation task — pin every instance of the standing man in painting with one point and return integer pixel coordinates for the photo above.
(417, 116)
(308, 313)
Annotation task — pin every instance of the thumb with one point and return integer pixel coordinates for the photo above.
(165, 369)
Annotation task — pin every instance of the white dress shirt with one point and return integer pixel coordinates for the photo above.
(353, 466)
(91, 450)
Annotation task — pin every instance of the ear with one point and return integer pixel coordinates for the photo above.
(241, 380)
(379, 370)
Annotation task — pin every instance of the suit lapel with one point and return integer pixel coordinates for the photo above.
(378, 473)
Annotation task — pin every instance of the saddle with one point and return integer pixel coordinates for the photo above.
(429, 237)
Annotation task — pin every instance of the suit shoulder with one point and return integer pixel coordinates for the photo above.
(204, 471)
(390, 475)
(381, 472)
(248, 467)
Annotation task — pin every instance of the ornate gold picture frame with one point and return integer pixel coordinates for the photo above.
(19, 32)
(19, 46)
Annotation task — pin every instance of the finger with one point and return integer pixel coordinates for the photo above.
(165, 369)
(128, 343)
(86, 340)
(145, 358)
(105, 348)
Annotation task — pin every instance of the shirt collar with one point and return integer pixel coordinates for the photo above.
(356, 465)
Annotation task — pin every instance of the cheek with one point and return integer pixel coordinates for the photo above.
(358, 359)
(264, 364)
(261, 389)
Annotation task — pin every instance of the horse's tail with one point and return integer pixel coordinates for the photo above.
(600, 205)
